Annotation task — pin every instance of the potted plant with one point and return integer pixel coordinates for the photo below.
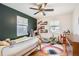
(53, 40)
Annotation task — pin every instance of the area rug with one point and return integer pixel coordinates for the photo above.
(49, 49)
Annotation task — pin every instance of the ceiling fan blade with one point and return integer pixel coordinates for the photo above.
(36, 12)
(40, 6)
(43, 13)
(33, 8)
(45, 4)
(48, 9)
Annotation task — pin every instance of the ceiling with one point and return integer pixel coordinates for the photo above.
(59, 8)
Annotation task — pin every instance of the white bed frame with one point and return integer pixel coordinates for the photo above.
(21, 48)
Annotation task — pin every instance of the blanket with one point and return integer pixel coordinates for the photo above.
(1, 48)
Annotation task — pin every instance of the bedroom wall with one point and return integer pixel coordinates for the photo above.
(76, 21)
(65, 22)
(8, 22)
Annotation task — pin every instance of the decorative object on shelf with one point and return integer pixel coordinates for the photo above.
(67, 32)
(31, 33)
(41, 26)
(44, 31)
(44, 23)
(39, 22)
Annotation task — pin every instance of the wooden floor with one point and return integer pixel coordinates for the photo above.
(38, 53)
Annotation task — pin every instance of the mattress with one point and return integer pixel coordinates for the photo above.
(22, 39)
(20, 48)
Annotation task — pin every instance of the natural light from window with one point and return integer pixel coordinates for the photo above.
(55, 27)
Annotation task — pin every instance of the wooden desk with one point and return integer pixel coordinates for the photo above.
(75, 44)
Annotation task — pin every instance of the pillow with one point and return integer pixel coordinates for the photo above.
(12, 42)
(4, 43)
(8, 40)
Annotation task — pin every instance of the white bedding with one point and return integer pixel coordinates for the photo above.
(20, 48)
(22, 39)
(1, 47)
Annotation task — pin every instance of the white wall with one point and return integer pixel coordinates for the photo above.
(75, 21)
(65, 22)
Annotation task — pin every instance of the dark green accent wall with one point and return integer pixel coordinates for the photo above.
(8, 22)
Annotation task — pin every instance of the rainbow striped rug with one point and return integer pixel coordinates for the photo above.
(49, 49)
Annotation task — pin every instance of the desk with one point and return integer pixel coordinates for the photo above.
(74, 39)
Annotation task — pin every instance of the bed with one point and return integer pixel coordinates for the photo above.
(23, 46)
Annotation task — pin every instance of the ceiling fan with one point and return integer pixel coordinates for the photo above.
(41, 8)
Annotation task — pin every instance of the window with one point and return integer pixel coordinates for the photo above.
(22, 25)
(55, 26)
